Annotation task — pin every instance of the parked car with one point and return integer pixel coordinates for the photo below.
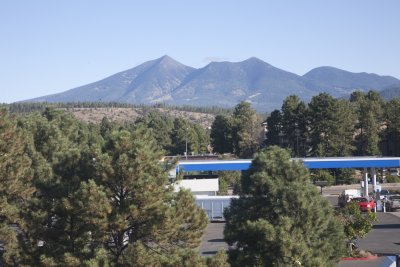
(393, 203)
(364, 203)
(384, 193)
(347, 195)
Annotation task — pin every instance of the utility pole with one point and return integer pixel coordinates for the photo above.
(186, 142)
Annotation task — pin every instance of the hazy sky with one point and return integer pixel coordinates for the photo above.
(50, 46)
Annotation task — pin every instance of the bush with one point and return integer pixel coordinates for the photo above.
(392, 179)
(345, 176)
(323, 175)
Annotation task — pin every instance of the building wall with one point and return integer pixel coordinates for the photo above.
(208, 187)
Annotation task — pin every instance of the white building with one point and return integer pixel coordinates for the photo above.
(208, 187)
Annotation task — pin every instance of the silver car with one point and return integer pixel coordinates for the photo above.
(393, 202)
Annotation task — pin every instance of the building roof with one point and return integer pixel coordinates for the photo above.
(311, 163)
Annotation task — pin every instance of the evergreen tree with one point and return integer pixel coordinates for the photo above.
(76, 236)
(16, 190)
(182, 137)
(203, 139)
(221, 134)
(369, 110)
(246, 130)
(72, 208)
(392, 131)
(145, 213)
(218, 260)
(106, 127)
(331, 126)
(294, 125)
(161, 126)
(280, 219)
(138, 255)
(356, 225)
(323, 175)
(228, 179)
(274, 129)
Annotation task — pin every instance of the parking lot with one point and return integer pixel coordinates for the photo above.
(384, 239)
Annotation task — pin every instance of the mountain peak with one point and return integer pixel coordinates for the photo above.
(254, 59)
(218, 84)
(168, 62)
(166, 58)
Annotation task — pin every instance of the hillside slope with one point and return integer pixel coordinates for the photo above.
(222, 84)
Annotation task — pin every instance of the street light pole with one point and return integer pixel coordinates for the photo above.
(186, 142)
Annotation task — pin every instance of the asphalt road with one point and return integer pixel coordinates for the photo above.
(213, 239)
(384, 239)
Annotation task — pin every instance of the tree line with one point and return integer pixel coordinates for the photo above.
(75, 194)
(364, 125)
(30, 107)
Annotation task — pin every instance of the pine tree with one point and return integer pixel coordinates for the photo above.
(392, 132)
(221, 134)
(295, 125)
(369, 110)
(203, 138)
(218, 260)
(16, 175)
(280, 219)
(246, 130)
(356, 225)
(182, 137)
(146, 214)
(331, 126)
(274, 129)
(161, 126)
(72, 207)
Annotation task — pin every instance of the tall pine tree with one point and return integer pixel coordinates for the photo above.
(280, 219)
(16, 190)
(69, 212)
(146, 214)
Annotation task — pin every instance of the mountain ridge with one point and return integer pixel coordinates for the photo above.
(225, 84)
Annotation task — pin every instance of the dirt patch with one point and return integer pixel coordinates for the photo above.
(95, 115)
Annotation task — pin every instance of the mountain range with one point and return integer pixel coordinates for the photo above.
(223, 84)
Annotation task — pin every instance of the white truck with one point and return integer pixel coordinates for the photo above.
(347, 195)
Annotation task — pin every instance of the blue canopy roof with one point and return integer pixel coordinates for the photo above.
(311, 163)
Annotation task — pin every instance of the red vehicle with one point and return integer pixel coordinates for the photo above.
(364, 203)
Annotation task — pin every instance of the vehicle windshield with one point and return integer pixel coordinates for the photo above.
(359, 199)
(384, 192)
(394, 198)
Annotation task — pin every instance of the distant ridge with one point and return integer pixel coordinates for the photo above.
(224, 84)
(390, 92)
(344, 80)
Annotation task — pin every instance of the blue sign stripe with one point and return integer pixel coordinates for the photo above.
(188, 167)
(239, 165)
(352, 164)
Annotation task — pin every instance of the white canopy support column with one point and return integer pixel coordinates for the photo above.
(365, 178)
(373, 176)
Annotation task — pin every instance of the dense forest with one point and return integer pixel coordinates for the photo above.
(364, 125)
(85, 194)
(76, 194)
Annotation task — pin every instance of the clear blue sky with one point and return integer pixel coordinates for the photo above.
(50, 46)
